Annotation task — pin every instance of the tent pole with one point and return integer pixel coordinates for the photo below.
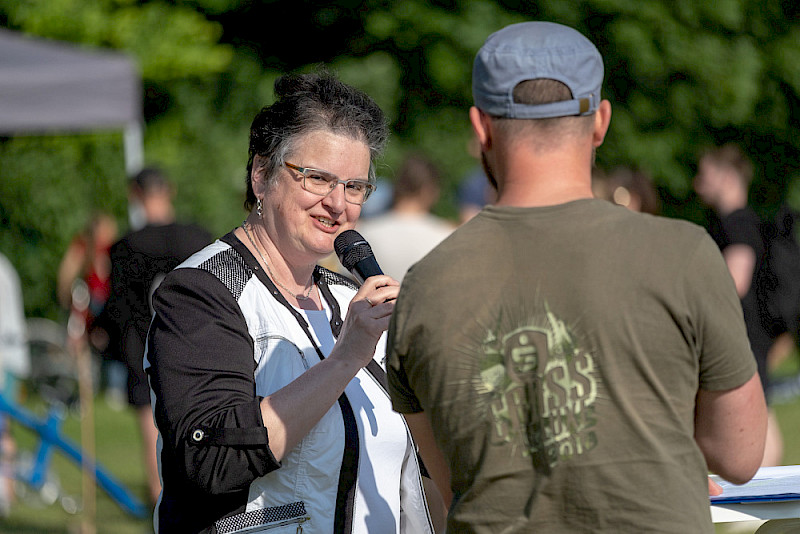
(134, 148)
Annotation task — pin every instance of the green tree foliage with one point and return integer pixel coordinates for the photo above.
(50, 186)
(169, 41)
(680, 75)
(686, 75)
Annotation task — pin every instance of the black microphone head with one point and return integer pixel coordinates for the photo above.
(351, 248)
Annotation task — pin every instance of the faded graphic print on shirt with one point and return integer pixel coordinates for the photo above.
(541, 387)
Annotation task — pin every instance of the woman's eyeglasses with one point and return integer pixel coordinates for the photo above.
(322, 183)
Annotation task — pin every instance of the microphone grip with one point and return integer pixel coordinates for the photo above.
(365, 268)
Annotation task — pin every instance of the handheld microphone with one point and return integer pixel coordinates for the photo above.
(356, 255)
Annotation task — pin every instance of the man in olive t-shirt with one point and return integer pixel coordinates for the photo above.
(567, 365)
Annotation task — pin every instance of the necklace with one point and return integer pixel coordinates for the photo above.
(271, 275)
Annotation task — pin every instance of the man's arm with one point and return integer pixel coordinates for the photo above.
(741, 262)
(431, 454)
(730, 428)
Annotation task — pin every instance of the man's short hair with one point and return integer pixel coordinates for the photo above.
(150, 179)
(541, 91)
(417, 175)
(548, 131)
(732, 157)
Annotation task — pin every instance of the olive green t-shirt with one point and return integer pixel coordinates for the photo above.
(558, 352)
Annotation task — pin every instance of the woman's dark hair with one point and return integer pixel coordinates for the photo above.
(306, 103)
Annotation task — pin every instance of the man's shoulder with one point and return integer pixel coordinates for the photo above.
(607, 216)
(184, 233)
(193, 229)
(174, 239)
(742, 225)
(745, 214)
(136, 239)
(189, 228)
(678, 227)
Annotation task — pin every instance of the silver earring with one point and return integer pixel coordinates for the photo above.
(258, 209)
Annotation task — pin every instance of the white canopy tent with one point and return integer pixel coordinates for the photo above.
(49, 87)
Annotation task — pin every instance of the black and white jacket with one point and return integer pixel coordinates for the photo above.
(221, 339)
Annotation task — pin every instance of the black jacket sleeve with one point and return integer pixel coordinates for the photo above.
(201, 372)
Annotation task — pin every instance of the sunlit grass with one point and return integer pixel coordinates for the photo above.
(118, 449)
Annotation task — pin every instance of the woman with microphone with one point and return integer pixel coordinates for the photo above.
(271, 413)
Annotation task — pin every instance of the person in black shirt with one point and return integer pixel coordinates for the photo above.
(139, 261)
(722, 182)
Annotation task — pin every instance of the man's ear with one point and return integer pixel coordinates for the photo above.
(482, 126)
(602, 120)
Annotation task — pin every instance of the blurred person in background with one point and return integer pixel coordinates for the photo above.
(139, 261)
(14, 368)
(85, 274)
(265, 368)
(628, 187)
(408, 230)
(87, 259)
(722, 183)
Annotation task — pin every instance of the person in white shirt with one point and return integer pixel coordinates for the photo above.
(404, 234)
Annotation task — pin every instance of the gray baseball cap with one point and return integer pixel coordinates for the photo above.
(535, 50)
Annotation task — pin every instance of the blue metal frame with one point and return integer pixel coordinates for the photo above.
(49, 432)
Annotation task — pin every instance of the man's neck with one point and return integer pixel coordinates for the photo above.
(159, 212)
(732, 200)
(531, 181)
(411, 206)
